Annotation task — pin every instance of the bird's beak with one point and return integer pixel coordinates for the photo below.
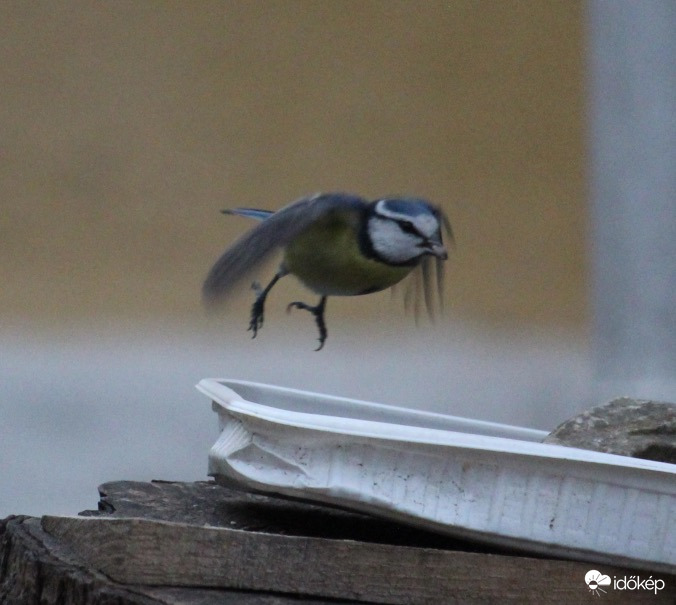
(436, 249)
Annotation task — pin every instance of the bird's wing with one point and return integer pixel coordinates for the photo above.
(425, 285)
(423, 289)
(255, 246)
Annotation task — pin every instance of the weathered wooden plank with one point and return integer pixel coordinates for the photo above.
(139, 551)
(208, 503)
(36, 569)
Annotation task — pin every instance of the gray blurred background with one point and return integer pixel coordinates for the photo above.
(125, 127)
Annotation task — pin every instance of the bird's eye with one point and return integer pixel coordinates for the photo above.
(407, 227)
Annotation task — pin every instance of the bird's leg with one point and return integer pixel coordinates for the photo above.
(258, 307)
(318, 312)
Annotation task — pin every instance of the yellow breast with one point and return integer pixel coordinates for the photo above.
(327, 259)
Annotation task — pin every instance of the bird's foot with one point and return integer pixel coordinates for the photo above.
(318, 312)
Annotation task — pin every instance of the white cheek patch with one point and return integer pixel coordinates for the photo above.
(391, 243)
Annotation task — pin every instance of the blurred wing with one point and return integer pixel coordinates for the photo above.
(424, 288)
(450, 238)
(257, 245)
(432, 269)
(425, 284)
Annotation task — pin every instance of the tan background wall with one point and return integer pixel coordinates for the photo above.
(126, 126)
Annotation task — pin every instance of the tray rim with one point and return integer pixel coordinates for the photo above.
(269, 417)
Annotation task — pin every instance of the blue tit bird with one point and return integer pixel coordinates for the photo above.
(336, 244)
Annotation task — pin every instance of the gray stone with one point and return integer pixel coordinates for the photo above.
(628, 427)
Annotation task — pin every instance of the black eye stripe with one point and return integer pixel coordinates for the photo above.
(408, 227)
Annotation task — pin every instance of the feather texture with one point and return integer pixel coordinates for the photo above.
(273, 233)
(276, 230)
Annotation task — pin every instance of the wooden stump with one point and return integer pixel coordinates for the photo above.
(201, 543)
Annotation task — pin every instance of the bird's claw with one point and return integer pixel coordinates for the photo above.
(256, 322)
(318, 312)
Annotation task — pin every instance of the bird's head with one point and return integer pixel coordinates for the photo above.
(403, 230)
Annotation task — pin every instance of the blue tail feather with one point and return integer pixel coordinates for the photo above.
(254, 213)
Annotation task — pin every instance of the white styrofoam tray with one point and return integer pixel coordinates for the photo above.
(476, 480)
